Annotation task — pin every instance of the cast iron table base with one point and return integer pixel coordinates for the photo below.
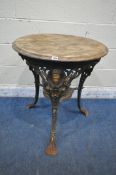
(56, 80)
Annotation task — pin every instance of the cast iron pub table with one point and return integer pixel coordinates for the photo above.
(58, 59)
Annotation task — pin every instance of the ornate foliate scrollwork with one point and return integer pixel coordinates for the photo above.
(56, 80)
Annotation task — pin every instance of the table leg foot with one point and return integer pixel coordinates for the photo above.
(84, 112)
(30, 106)
(51, 149)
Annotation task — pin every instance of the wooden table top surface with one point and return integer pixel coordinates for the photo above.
(65, 48)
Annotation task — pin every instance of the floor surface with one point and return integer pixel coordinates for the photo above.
(86, 146)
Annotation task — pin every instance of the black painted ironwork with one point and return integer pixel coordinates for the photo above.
(56, 80)
(37, 84)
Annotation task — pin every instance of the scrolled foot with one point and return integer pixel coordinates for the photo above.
(51, 149)
(84, 112)
(30, 106)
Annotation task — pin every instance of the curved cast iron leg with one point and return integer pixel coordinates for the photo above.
(51, 148)
(37, 81)
(81, 82)
(85, 73)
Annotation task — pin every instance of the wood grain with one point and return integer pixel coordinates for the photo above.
(62, 47)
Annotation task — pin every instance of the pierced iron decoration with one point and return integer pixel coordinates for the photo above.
(56, 80)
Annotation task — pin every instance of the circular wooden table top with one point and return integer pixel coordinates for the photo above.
(65, 48)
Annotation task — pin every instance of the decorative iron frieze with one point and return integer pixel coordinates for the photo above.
(56, 81)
